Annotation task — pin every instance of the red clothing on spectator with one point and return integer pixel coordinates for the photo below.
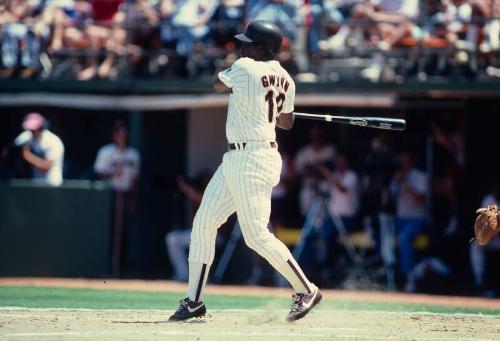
(104, 10)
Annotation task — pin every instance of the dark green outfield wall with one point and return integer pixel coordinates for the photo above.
(61, 231)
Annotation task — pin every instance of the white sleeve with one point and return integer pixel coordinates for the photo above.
(23, 138)
(55, 152)
(289, 106)
(237, 75)
(101, 164)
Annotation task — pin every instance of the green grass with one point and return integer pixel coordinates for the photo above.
(46, 297)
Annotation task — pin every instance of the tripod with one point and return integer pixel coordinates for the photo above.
(315, 218)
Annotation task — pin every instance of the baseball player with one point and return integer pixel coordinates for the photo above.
(261, 97)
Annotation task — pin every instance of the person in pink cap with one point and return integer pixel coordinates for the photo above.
(42, 149)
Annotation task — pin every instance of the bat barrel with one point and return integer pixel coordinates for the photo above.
(370, 122)
(373, 122)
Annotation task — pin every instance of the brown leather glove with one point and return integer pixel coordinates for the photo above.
(486, 225)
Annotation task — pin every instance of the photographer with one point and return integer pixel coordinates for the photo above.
(41, 149)
(343, 202)
(343, 190)
(306, 165)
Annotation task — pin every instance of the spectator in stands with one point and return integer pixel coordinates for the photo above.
(288, 15)
(177, 240)
(345, 14)
(478, 253)
(307, 161)
(168, 32)
(409, 187)
(141, 25)
(430, 33)
(104, 32)
(42, 149)
(464, 25)
(487, 13)
(226, 21)
(119, 164)
(394, 20)
(169, 62)
(22, 37)
(192, 18)
(68, 20)
(283, 13)
(458, 17)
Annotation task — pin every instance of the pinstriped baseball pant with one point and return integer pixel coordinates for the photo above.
(243, 183)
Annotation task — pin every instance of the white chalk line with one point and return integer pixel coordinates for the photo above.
(246, 334)
(167, 332)
(247, 311)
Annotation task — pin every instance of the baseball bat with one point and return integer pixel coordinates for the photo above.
(370, 122)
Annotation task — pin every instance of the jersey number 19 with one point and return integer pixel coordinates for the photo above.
(280, 100)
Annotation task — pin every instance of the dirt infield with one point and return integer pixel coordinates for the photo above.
(51, 324)
(267, 323)
(168, 286)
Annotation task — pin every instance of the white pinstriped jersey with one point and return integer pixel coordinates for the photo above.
(261, 91)
(244, 181)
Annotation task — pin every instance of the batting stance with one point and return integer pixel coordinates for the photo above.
(261, 97)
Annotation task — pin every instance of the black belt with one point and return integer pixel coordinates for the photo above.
(234, 146)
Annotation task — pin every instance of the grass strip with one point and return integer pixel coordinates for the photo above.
(71, 298)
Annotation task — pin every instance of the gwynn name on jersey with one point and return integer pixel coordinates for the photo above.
(275, 80)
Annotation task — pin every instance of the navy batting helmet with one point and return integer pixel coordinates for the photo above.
(262, 32)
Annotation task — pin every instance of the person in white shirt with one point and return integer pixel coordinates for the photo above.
(409, 186)
(42, 149)
(119, 164)
(343, 203)
(343, 188)
(477, 254)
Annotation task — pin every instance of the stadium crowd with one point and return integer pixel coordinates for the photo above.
(86, 39)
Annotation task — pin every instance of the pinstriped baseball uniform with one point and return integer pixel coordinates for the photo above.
(244, 180)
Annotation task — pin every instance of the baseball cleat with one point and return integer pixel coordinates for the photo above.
(302, 304)
(188, 309)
